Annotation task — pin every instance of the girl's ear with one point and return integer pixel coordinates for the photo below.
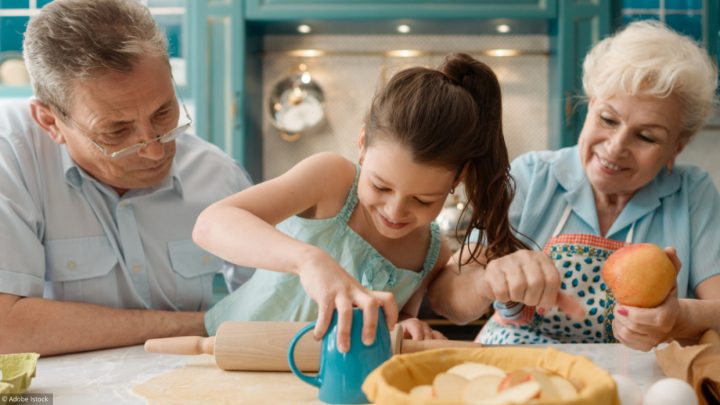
(46, 118)
(461, 176)
(361, 144)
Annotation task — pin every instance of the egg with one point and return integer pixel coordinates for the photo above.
(629, 393)
(670, 391)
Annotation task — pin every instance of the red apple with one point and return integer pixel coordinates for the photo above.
(639, 275)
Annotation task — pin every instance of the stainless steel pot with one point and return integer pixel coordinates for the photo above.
(296, 104)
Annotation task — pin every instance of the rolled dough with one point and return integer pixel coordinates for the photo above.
(202, 382)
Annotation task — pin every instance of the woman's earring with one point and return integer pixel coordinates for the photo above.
(452, 190)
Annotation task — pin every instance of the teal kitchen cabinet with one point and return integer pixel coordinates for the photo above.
(171, 15)
(275, 10)
(228, 36)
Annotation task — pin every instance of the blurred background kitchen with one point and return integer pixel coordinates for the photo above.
(273, 81)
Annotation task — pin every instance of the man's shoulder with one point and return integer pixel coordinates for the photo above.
(14, 116)
(198, 158)
(191, 149)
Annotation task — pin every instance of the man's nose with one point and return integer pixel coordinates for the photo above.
(153, 150)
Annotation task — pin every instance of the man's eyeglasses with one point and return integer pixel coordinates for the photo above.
(135, 148)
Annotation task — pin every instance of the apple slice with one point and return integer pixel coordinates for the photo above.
(514, 378)
(422, 391)
(548, 391)
(469, 370)
(564, 388)
(448, 387)
(481, 387)
(518, 394)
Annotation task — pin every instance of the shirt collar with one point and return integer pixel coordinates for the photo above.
(75, 175)
(570, 174)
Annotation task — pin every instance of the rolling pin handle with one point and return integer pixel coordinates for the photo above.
(181, 345)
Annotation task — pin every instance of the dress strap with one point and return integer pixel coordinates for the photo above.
(433, 251)
(351, 200)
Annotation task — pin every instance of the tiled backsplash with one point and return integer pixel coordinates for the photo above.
(354, 65)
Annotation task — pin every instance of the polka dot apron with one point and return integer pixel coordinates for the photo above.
(578, 258)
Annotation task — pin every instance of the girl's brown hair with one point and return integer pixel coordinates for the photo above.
(452, 117)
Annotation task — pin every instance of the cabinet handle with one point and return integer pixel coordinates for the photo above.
(568, 109)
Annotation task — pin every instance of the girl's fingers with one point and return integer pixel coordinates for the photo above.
(323, 321)
(344, 323)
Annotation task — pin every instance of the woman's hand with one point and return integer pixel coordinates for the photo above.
(331, 287)
(645, 328)
(529, 277)
(416, 329)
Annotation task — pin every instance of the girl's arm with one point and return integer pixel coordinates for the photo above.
(241, 229)
(415, 328)
(455, 294)
(464, 293)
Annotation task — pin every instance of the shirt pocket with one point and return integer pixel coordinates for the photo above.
(194, 272)
(81, 270)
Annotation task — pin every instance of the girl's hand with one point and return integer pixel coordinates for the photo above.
(529, 277)
(645, 328)
(416, 329)
(331, 287)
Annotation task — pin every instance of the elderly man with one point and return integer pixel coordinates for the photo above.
(100, 186)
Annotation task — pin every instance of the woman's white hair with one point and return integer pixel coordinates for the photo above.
(75, 39)
(648, 58)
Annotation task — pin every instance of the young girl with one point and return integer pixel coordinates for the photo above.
(336, 234)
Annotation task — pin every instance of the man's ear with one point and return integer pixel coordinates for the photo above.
(361, 144)
(47, 119)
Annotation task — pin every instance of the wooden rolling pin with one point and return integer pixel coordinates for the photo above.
(263, 346)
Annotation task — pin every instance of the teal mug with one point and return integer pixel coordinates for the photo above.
(341, 375)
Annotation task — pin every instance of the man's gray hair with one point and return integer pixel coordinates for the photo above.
(74, 39)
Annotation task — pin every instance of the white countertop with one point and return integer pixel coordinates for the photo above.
(107, 376)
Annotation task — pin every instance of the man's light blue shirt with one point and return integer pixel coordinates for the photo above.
(69, 237)
(681, 210)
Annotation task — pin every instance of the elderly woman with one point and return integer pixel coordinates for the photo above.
(649, 91)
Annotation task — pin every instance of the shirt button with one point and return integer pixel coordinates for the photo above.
(206, 260)
(71, 265)
(136, 268)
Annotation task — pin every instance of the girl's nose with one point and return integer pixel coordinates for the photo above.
(396, 208)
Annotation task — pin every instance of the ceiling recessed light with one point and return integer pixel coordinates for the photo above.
(502, 52)
(307, 53)
(404, 53)
(304, 29)
(503, 28)
(403, 28)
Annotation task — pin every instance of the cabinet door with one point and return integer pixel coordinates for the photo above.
(264, 10)
(221, 61)
(579, 26)
(170, 14)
